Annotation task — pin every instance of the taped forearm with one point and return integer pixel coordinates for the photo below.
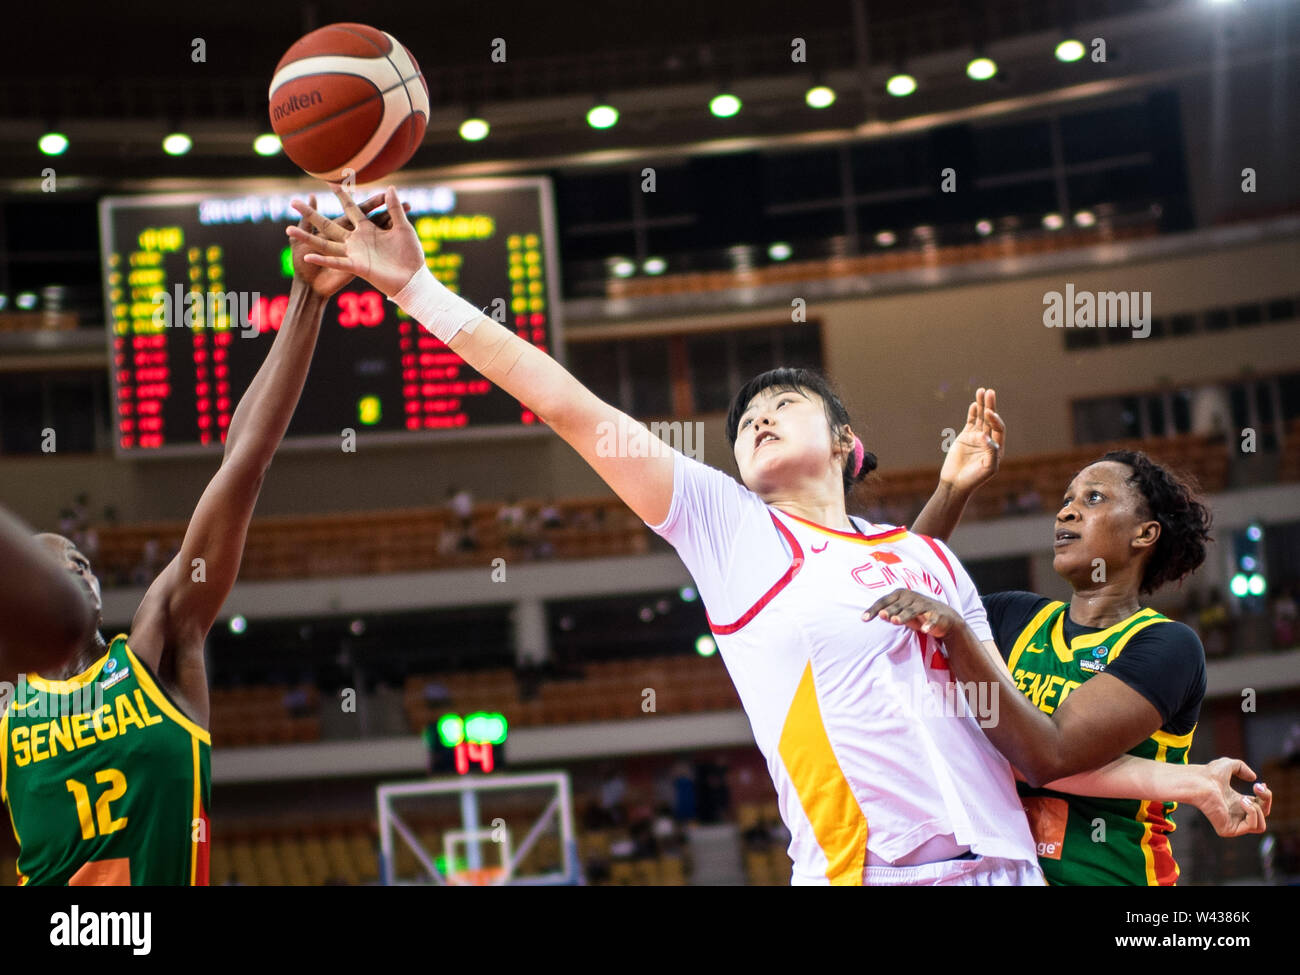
(435, 307)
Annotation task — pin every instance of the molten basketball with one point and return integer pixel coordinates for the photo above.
(349, 97)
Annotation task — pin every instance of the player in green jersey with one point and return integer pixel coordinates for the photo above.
(104, 747)
(1097, 680)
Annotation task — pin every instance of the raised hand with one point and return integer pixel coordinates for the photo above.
(322, 280)
(1230, 812)
(974, 456)
(387, 258)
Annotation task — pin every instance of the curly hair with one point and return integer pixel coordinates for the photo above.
(785, 379)
(1171, 499)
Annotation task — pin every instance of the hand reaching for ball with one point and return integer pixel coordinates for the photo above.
(387, 257)
(322, 280)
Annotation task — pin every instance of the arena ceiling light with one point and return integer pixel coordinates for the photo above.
(984, 227)
(602, 116)
(474, 129)
(621, 267)
(266, 144)
(1085, 218)
(900, 85)
(820, 96)
(981, 69)
(1053, 221)
(654, 265)
(724, 105)
(886, 238)
(780, 251)
(53, 143)
(177, 144)
(1069, 50)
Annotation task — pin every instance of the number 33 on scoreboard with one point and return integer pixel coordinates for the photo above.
(116, 782)
(363, 308)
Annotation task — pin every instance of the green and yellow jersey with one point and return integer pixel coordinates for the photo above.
(106, 779)
(1084, 840)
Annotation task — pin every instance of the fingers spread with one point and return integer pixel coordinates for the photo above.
(324, 224)
(317, 243)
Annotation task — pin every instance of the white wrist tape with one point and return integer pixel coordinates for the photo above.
(429, 302)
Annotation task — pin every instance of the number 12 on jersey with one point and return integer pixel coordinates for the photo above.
(103, 817)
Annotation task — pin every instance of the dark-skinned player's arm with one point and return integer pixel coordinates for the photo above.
(174, 617)
(393, 261)
(1080, 747)
(45, 617)
(972, 458)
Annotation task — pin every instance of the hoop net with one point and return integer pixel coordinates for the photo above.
(483, 877)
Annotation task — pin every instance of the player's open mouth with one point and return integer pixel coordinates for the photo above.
(764, 437)
(1063, 537)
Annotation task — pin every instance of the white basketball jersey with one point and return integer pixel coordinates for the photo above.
(869, 743)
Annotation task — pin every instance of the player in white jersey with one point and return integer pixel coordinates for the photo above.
(876, 783)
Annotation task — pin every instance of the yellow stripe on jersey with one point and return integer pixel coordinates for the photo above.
(1022, 641)
(1123, 641)
(164, 705)
(1065, 649)
(72, 683)
(195, 822)
(1148, 855)
(4, 757)
(828, 802)
(1165, 740)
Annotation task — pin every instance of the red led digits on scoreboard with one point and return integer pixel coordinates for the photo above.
(268, 313)
(360, 308)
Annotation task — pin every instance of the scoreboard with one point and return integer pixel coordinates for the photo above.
(196, 287)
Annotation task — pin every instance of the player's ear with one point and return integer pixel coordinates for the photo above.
(1148, 533)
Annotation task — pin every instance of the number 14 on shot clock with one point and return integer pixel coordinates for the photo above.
(457, 743)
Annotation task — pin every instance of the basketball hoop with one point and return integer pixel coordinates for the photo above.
(483, 877)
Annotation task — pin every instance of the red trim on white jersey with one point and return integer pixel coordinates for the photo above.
(856, 536)
(796, 563)
(939, 552)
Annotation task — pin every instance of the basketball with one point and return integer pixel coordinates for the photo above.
(349, 97)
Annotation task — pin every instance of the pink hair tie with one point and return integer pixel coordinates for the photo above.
(857, 456)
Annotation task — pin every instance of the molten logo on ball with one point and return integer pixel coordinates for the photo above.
(293, 103)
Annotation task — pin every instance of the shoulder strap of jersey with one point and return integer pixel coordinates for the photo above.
(1030, 628)
(1131, 627)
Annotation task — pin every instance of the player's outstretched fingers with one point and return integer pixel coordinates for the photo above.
(1265, 796)
(398, 211)
(317, 243)
(324, 224)
(350, 207)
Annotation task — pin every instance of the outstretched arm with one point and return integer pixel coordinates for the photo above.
(617, 447)
(1207, 787)
(971, 460)
(44, 615)
(1073, 749)
(179, 608)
